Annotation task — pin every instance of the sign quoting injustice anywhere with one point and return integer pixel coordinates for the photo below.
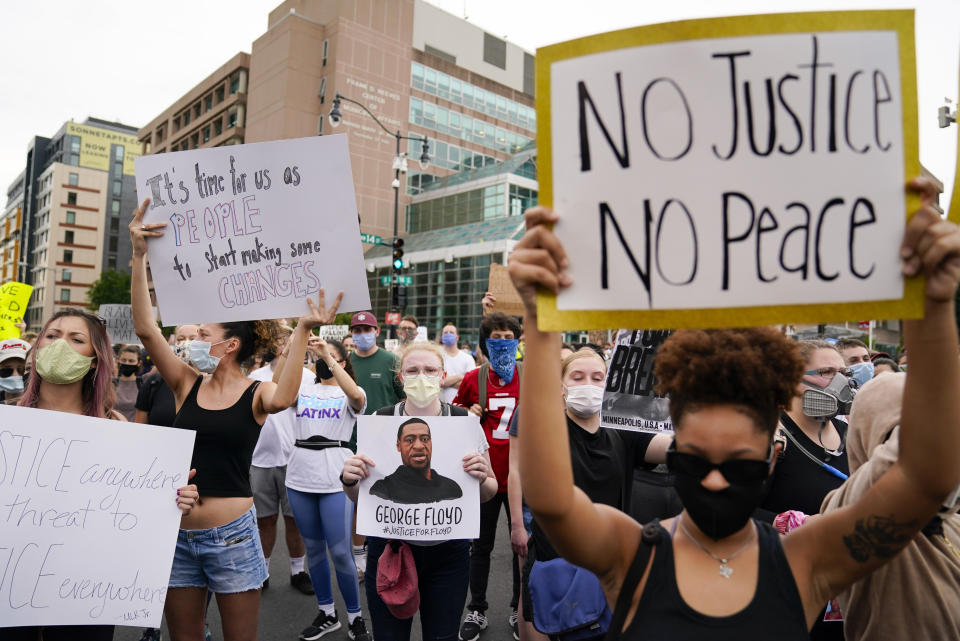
(629, 401)
(88, 519)
(119, 319)
(253, 230)
(418, 490)
(731, 171)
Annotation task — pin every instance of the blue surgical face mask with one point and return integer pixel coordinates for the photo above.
(12, 384)
(862, 372)
(198, 354)
(448, 338)
(364, 340)
(503, 356)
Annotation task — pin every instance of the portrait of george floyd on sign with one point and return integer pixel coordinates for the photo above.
(731, 171)
(417, 490)
(253, 230)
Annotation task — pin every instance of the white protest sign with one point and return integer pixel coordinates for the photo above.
(418, 490)
(740, 168)
(334, 332)
(88, 518)
(629, 400)
(120, 323)
(253, 230)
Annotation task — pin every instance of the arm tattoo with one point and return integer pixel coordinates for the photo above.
(879, 536)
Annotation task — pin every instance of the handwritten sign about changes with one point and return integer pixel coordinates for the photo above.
(253, 230)
(88, 518)
(732, 171)
(418, 491)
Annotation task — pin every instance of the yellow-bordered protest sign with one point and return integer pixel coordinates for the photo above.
(14, 298)
(731, 171)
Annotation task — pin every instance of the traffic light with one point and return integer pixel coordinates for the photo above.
(398, 298)
(398, 254)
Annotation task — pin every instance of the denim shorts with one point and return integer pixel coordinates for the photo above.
(226, 559)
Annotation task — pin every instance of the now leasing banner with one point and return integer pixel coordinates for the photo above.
(731, 171)
(253, 230)
(88, 518)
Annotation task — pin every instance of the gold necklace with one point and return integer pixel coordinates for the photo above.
(951, 546)
(725, 570)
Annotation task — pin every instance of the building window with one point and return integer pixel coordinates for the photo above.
(208, 103)
(195, 140)
(231, 120)
(326, 49)
(118, 153)
(218, 126)
(234, 83)
(74, 179)
(115, 207)
(494, 51)
(71, 198)
(64, 295)
(67, 276)
(117, 187)
(111, 262)
(176, 123)
(68, 237)
(206, 134)
(71, 217)
(113, 244)
(196, 110)
(220, 93)
(186, 117)
(68, 256)
(115, 225)
(323, 89)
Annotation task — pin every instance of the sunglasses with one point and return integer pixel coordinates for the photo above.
(737, 471)
(7, 372)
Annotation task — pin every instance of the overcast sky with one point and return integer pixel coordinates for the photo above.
(128, 60)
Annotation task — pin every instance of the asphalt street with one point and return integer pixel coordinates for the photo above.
(284, 611)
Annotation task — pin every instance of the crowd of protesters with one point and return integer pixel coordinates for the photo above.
(809, 488)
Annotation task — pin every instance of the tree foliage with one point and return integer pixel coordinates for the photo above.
(112, 287)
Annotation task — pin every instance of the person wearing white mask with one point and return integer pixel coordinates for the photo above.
(442, 566)
(13, 358)
(603, 459)
(456, 362)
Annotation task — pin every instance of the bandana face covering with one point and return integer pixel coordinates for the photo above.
(503, 356)
(60, 364)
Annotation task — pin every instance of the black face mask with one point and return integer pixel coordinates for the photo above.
(719, 514)
(127, 370)
(323, 372)
(269, 356)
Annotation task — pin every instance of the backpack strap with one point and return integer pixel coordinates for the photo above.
(648, 538)
(483, 376)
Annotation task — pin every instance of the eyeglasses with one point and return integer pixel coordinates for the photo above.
(7, 372)
(829, 372)
(734, 470)
(416, 371)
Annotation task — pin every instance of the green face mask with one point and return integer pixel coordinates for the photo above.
(60, 364)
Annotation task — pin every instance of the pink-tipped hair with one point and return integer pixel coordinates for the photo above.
(98, 393)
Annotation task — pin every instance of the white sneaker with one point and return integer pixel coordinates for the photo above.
(360, 559)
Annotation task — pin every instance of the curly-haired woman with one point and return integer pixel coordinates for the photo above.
(218, 548)
(713, 571)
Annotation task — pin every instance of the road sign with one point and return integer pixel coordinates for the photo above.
(370, 239)
(405, 280)
(400, 280)
(392, 318)
(386, 280)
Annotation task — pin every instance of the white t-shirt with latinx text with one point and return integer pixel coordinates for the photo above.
(322, 410)
(276, 437)
(454, 366)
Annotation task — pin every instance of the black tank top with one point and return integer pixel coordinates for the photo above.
(776, 611)
(223, 448)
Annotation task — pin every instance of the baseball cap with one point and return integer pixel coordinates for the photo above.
(361, 319)
(397, 582)
(13, 348)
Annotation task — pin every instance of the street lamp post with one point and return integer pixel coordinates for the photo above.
(399, 162)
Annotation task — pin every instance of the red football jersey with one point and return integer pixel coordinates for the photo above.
(501, 403)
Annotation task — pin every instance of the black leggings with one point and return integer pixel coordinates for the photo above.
(59, 633)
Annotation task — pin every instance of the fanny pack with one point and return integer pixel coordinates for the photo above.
(319, 443)
(568, 601)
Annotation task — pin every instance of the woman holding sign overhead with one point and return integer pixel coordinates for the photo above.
(218, 548)
(712, 570)
(442, 566)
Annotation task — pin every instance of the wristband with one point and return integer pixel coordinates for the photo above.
(345, 484)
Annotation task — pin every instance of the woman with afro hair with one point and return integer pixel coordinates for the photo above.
(218, 547)
(712, 572)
